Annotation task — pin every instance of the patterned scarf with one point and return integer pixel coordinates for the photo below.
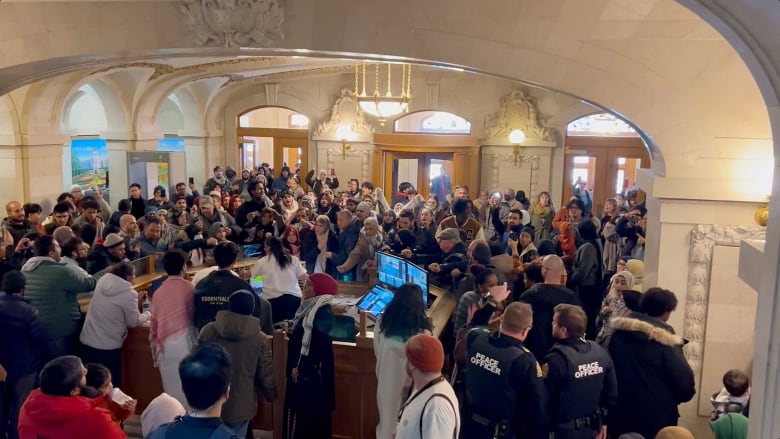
(306, 313)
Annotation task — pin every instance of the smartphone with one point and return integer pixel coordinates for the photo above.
(163, 193)
(191, 180)
(332, 171)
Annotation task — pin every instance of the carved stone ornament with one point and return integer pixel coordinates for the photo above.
(519, 110)
(703, 239)
(235, 23)
(345, 111)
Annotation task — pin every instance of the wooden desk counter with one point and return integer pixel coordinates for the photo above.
(356, 413)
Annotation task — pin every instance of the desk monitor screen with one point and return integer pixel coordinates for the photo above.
(418, 276)
(257, 284)
(390, 270)
(375, 301)
(252, 250)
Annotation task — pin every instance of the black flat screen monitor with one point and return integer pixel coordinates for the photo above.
(394, 271)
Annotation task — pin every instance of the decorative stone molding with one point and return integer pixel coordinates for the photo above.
(365, 160)
(234, 23)
(532, 160)
(703, 239)
(344, 111)
(271, 93)
(518, 110)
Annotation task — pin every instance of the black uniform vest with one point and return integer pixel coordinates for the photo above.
(581, 392)
(488, 390)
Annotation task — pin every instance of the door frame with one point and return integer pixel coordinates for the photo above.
(464, 150)
(283, 137)
(605, 150)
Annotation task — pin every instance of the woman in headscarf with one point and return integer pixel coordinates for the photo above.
(614, 304)
(318, 246)
(326, 206)
(542, 212)
(310, 396)
(637, 269)
(288, 205)
(362, 256)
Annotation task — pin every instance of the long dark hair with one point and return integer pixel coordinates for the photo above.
(405, 314)
(276, 250)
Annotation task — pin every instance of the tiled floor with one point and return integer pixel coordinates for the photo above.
(133, 429)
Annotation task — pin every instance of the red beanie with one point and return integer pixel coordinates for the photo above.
(425, 353)
(322, 284)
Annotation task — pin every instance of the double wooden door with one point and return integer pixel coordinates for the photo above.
(603, 166)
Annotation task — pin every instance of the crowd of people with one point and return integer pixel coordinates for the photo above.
(553, 331)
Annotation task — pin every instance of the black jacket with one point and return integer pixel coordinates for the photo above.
(543, 298)
(652, 373)
(212, 293)
(99, 259)
(23, 346)
(310, 251)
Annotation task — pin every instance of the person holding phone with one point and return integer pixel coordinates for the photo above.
(160, 199)
(322, 181)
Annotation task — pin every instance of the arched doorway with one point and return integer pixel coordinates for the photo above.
(274, 135)
(602, 155)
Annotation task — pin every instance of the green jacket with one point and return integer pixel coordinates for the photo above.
(250, 354)
(52, 288)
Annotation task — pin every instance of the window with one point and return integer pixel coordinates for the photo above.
(273, 117)
(434, 122)
(601, 125)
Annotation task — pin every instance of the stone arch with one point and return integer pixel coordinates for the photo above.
(102, 93)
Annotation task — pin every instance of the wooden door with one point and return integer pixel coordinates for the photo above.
(457, 155)
(605, 166)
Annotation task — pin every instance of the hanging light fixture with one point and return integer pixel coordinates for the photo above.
(384, 105)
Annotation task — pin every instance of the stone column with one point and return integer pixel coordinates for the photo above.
(197, 166)
(43, 168)
(13, 180)
(765, 394)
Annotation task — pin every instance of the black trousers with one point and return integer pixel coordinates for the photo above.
(284, 307)
(591, 297)
(12, 396)
(112, 359)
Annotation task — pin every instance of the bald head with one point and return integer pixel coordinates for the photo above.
(552, 269)
(14, 211)
(128, 224)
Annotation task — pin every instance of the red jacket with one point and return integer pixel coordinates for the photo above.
(66, 417)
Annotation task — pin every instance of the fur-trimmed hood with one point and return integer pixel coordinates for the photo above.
(652, 329)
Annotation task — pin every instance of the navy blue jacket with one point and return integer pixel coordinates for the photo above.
(23, 345)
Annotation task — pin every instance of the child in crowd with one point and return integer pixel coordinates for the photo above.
(734, 395)
(99, 378)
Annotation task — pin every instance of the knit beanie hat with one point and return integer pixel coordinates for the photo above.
(241, 302)
(323, 284)
(425, 353)
(631, 436)
(674, 432)
(112, 240)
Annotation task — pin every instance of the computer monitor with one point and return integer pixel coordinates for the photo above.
(252, 250)
(390, 270)
(257, 284)
(418, 276)
(375, 301)
(394, 271)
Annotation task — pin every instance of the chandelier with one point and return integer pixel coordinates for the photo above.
(387, 104)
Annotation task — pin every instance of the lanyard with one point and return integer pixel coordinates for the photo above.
(423, 389)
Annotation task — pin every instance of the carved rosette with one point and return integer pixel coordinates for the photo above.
(519, 110)
(235, 23)
(703, 239)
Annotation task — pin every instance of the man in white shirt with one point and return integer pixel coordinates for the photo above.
(432, 409)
